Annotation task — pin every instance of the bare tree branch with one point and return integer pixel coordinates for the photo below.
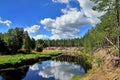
(111, 43)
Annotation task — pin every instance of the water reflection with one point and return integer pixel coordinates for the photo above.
(53, 70)
(1, 78)
(60, 68)
(74, 59)
(13, 74)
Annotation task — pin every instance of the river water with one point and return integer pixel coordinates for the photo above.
(45, 70)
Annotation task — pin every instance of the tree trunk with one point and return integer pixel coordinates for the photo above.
(118, 24)
(112, 43)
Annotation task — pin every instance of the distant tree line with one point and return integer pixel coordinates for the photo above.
(64, 43)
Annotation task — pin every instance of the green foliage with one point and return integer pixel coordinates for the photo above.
(39, 45)
(27, 43)
(39, 48)
(87, 56)
(64, 43)
(76, 78)
(3, 46)
(18, 40)
(87, 59)
(12, 44)
(110, 21)
(99, 61)
(12, 59)
(13, 39)
(33, 43)
(113, 51)
(15, 36)
(104, 5)
(95, 38)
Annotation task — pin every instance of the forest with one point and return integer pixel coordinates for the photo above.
(18, 41)
(100, 45)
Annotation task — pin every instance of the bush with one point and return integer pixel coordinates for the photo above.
(99, 61)
(39, 48)
(76, 78)
(113, 51)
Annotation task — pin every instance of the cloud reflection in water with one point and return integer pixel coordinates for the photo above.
(1, 78)
(58, 70)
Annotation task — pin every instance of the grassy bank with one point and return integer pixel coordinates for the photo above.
(103, 67)
(86, 63)
(22, 59)
(76, 78)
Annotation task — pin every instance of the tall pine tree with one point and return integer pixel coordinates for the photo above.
(27, 43)
(112, 6)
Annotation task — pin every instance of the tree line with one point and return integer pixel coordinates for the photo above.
(110, 22)
(63, 43)
(17, 40)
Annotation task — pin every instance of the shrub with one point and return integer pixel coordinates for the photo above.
(39, 48)
(99, 61)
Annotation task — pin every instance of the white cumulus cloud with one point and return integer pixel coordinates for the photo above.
(33, 29)
(68, 25)
(60, 70)
(34, 67)
(5, 22)
(61, 1)
(93, 16)
(44, 37)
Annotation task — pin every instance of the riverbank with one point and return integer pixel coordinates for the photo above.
(103, 64)
(7, 61)
(103, 67)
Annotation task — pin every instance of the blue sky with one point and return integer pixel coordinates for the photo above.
(48, 19)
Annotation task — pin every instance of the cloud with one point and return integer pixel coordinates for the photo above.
(60, 70)
(34, 67)
(68, 25)
(93, 16)
(33, 29)
(5, 22)
(61, 1)
(44, 37)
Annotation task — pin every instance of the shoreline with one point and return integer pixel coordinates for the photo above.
(13, 61)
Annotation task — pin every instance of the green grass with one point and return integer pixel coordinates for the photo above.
(87, 56)
(19, 57)
(76, 78)
(87, 59)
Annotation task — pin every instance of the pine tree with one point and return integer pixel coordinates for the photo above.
(3, 46)
(26, 42)
(112, 6)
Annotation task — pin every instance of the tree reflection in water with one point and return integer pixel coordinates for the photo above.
(53, 70)
(60, 68)
(78, 60)
(14, 74)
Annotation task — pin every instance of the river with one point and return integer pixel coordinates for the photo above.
(45, 70)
